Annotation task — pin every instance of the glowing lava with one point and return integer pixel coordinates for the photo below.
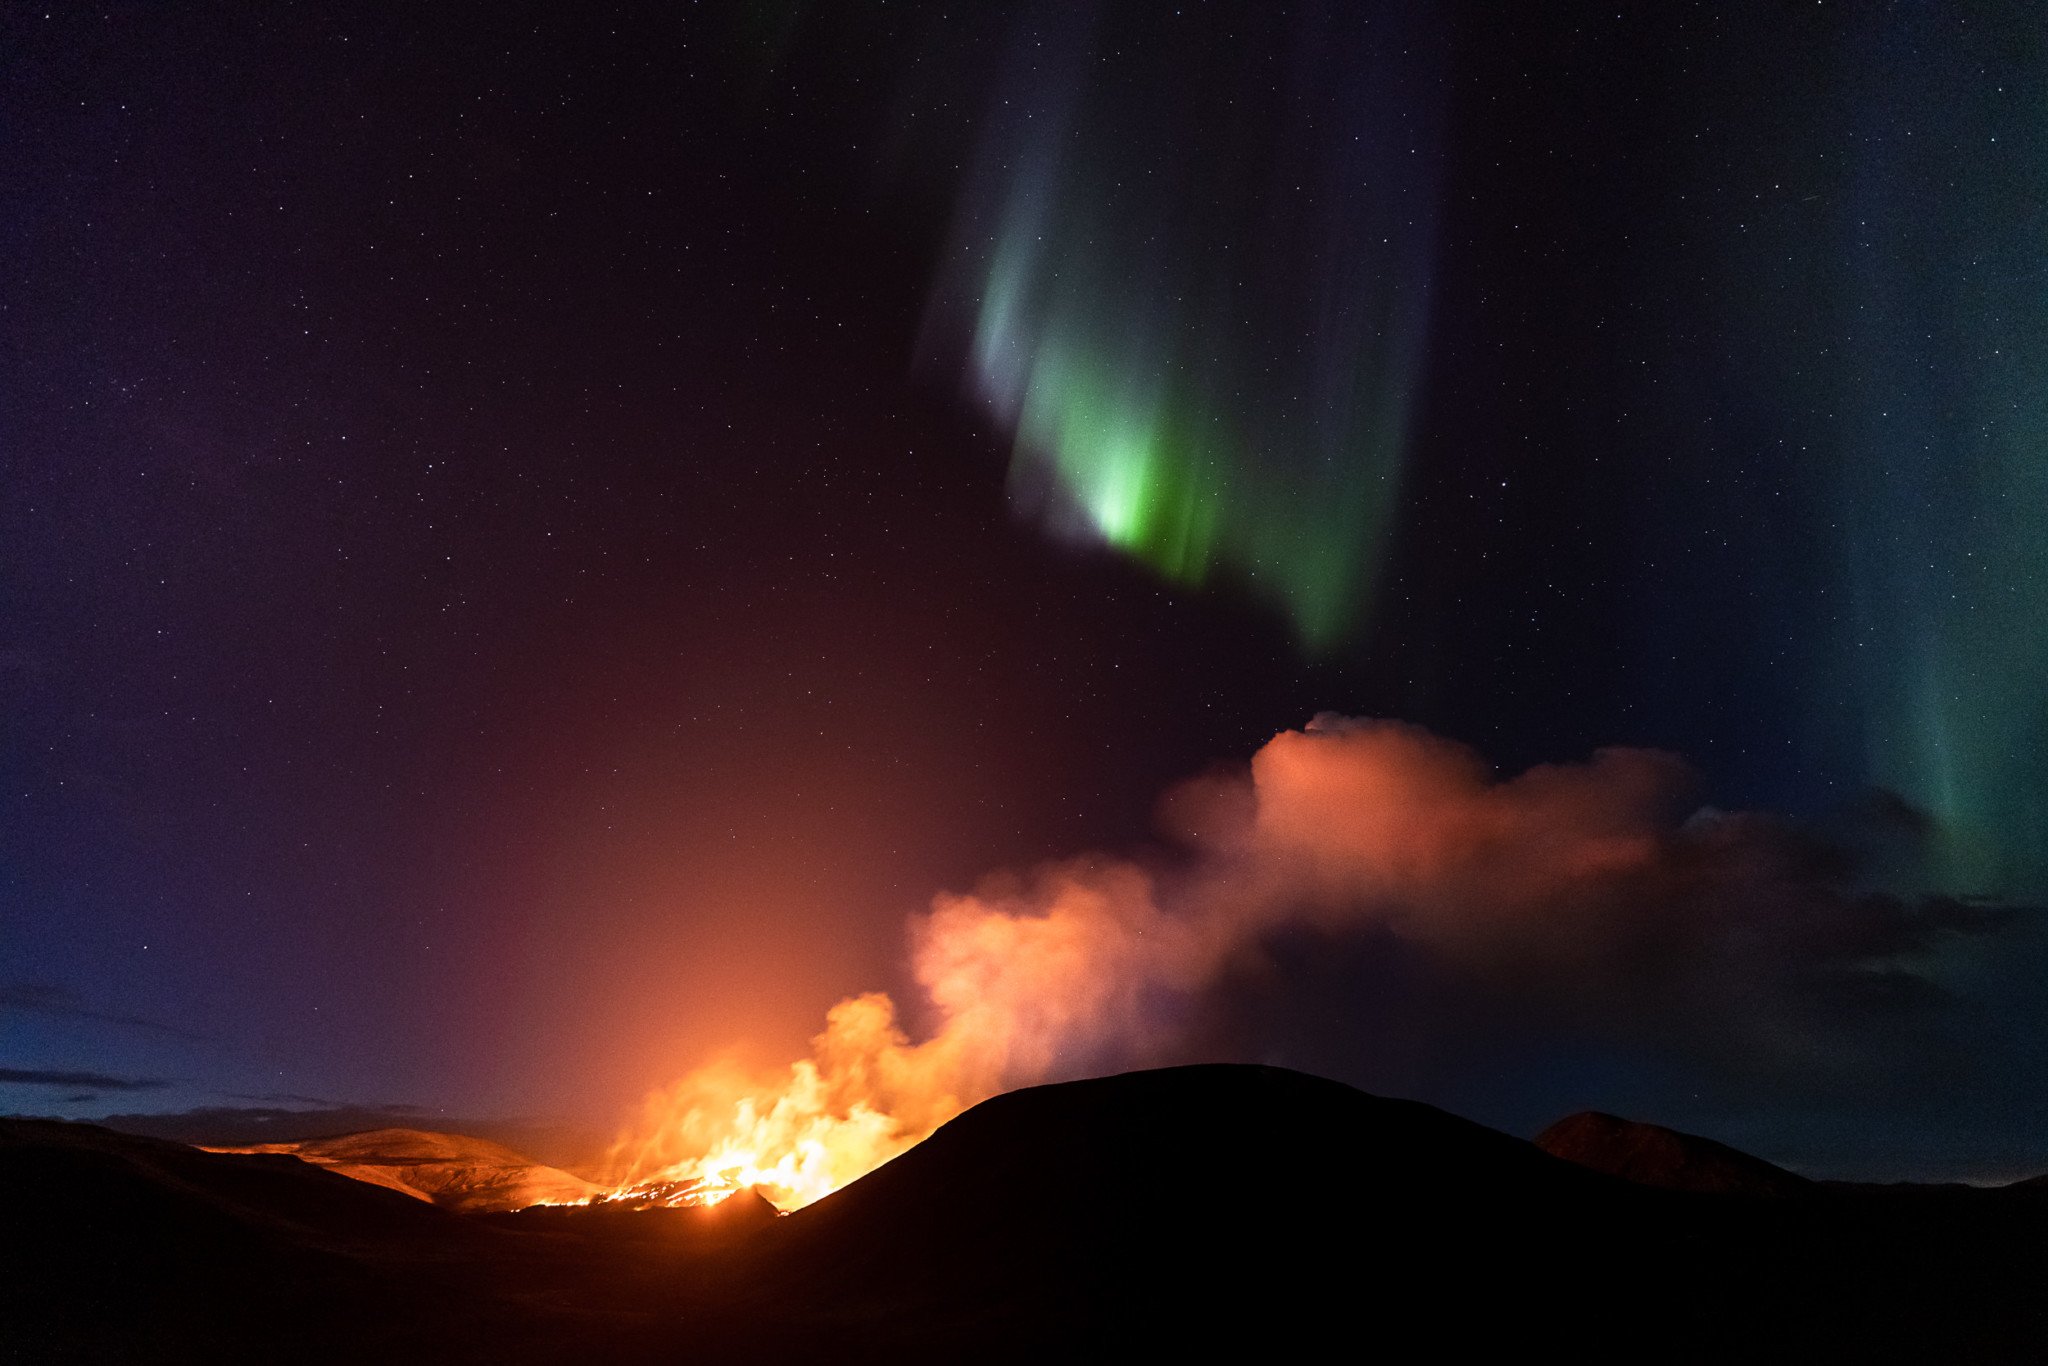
(863, 1097)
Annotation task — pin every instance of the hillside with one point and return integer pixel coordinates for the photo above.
(454, 1170)
(1192, 1212)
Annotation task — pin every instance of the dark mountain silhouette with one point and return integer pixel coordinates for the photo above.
(119, 1247)
(1197, 1205)
(1651, 1155)
(1196, 1212)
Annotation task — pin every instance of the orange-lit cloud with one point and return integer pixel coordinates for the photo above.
(1584, 877)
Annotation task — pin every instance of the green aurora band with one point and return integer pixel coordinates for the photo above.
(1221, 391)
(1886, 312)
(1817, 489)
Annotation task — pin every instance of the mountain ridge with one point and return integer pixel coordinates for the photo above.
(457, 1171)
(1185, 1211)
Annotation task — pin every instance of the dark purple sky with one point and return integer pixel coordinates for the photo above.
(500, 600)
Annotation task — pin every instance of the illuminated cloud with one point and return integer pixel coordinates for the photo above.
(1590, 900)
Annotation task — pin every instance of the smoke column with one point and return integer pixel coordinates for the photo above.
(1596, 878)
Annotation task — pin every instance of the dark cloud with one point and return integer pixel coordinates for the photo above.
(19, 1076)
(296, 1099)
(38, 999)
(1571, 939)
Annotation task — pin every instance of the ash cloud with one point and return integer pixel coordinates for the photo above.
(1370, 901)
(1592, 900)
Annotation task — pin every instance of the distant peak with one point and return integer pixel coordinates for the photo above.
(1652, 1155)
(456, 1170)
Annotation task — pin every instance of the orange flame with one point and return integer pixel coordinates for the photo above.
(1017, 979)
(863, 1097)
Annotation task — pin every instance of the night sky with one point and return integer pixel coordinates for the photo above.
(533, 539)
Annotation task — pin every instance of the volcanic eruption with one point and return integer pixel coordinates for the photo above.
(1584, 882)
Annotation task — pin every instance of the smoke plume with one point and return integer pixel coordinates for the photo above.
(1596, 895)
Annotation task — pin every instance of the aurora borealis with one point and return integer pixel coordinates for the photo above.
(1911, 327)
(535, 543)
(1205, 325)
(1855, 403)
(1203, 320)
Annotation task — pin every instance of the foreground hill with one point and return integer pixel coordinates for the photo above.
(1195, 1212)
(1198, 1208)
(1267, 1213)
(118, 1248)
(454, 1170)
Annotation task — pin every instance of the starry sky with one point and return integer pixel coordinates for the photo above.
(534, 537)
